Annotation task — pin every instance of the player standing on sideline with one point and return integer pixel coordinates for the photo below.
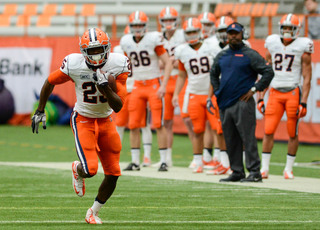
(122, 117)
(195, 59)
(290, 57)
(169, 21)
(220, 164)
(145, 49)
(91, 120)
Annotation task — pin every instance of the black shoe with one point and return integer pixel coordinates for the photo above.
(253, 178)
(232, 178)
(132, 167)
(163, 167)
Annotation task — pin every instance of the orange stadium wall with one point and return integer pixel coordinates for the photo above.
(309, 128)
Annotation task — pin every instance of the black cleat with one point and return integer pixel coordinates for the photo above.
(132, 167)
(233, 178)
(163, 167)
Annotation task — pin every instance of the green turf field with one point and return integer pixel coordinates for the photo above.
(37, 198)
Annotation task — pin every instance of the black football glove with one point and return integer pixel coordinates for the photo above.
(210, 106)
(36, 119)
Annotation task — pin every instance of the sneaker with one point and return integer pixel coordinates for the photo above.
(198, 169)
(256, 177)
(288, 174)
(211, 164)
(77, 181)
(233, 178)
(146, 162)
(132, 167)
(219, 171)
(192, 165)
(92, 218)
(163, 167)
(265, 174)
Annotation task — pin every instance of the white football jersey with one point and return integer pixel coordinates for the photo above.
(213, 40)
(90, 102)
(286, 60)
(130, 80)
(144, 60)
(197, 63)
(172, 43)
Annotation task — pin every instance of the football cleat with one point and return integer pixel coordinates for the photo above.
(192, 164)
(77, 181)
(198, 169)
(92, 218)
(213, 164)
(288, 174)
(265, 174)
(219, 171)
(132, 167)
(146, 162)
(163, 167)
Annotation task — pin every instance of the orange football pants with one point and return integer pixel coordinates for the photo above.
(198, 112)
(142, 93)
(279, 102)
(97, 137)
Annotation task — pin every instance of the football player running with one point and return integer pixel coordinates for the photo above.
(145, 49)
(93, 128)
(122, 117)
(195, 59)
(290, 56)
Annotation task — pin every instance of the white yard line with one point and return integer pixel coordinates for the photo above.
(299, 184)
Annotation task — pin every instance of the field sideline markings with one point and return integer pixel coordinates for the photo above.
(164, 222)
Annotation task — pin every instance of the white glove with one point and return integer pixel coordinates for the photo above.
(101, 78)
(36, 119)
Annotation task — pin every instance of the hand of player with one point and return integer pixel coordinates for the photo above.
(161, 91)
(36, 119)
(101, 78)
(175, 101)
(261, 107)
(302, 110)
(210, 106)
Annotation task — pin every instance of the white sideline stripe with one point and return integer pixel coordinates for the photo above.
(161, 222)
(298, 184)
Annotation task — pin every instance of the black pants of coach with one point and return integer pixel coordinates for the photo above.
(239, 125)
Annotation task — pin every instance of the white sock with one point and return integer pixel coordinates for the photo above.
(290, 162)
(96, 206)
(244, 156)
(224, 159)
(147, 150)
(146, 135)
(163, 155)
(216, 154)
(120, 131)
(135, 155)
(265, 161)
(169, 155)
(198, 159)
(206, 155)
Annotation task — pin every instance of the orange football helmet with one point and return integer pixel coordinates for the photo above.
(95, 46)
(192, 30)
(169, 18)
(138, 23)
(221, 28)
(289, 20)
(207, 20)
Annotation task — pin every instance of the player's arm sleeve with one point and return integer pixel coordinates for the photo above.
(309, 46)
(181, 66)
(122, 86)
(259, 64)
(160, 50)
(58, 77)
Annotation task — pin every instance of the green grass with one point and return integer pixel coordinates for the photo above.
(36, 198)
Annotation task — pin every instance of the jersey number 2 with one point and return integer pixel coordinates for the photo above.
(278, 60)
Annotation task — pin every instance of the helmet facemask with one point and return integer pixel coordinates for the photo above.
(207, 29)
(96, 54)
(168, 24)
(138, 29)
(222, 35)
(192, 36)
(287, 34)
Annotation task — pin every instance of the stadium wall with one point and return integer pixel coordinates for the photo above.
(24, 73)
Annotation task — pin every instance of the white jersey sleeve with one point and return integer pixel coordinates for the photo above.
(286, 60)
(90, 102)
(145, 62)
